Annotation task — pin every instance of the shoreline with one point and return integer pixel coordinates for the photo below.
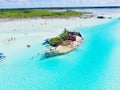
(40, 18)
(84, 16)
(43, 28)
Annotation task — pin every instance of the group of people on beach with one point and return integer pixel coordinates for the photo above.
(11, 39)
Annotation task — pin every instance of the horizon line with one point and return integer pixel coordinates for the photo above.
(75, 7)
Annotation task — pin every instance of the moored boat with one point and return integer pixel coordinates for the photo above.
(2, 56)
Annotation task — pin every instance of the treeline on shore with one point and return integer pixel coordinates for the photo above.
(39, 13)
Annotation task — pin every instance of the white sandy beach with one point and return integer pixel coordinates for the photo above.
(16, 34)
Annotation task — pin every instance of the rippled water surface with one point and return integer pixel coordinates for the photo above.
(95, 65)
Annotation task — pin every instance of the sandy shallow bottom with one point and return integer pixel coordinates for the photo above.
(44, 28)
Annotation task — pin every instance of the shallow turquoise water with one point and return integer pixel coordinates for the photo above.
(95, 65)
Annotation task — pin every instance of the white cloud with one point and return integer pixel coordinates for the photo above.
(44, 3)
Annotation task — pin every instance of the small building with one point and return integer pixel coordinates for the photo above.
(75, 33)
(73, 38)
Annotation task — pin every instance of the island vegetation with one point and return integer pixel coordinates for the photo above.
(55, 41)
(100, 17)
(39, 13)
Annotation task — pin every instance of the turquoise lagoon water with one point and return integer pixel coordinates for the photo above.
(95, 65)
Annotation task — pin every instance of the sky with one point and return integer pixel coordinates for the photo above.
(56, 3)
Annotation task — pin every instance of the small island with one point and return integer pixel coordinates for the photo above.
(63, 43)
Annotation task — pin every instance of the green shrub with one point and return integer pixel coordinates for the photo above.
(55, 41)
(26, 11)
(101, 17)
(64, 35)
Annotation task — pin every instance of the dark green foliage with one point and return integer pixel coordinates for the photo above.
(55, 41)
(38, 13)
(58, 40)
(64, 35)
(101, 17)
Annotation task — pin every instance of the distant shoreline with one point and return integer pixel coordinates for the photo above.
(56, 8)
(16, 14)
(23, 19)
